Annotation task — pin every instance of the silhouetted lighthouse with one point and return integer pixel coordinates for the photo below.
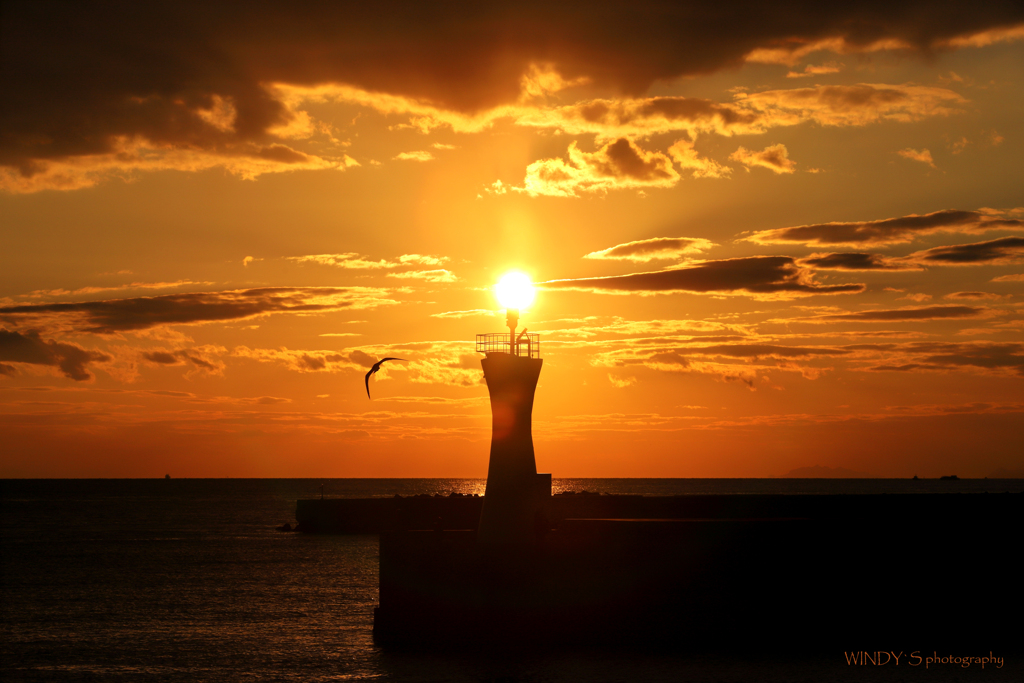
(514, 502)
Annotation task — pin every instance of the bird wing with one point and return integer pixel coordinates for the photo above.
(375, 368)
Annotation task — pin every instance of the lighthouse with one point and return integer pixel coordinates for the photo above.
(515, 498)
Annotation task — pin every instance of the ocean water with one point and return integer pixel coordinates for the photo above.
(188, 580)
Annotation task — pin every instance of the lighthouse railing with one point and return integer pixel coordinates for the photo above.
(526, 345)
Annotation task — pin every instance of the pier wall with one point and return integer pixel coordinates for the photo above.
(376, 515)
(700, 585)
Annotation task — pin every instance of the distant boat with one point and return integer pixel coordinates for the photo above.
(167, 476)
(950, 477)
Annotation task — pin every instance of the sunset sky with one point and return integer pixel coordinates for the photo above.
(766, 236)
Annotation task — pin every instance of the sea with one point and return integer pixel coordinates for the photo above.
(190, 580)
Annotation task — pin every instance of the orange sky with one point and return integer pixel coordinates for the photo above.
(773, 238)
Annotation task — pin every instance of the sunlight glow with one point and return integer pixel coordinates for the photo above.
(515, 290)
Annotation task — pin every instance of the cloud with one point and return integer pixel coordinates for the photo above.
(1014, 277)
(28, 347)
(922, 155)
(644, 117)
(350, 261)
(748, 113)
(591, 326)
(655, 248)
(1001, 251)
(1006, 358)
(39, 293)
(889, 230)
(472, 313)
(353, 261)
(127, 157)
(766, 351)
(617, 165)
(420, 155)
(684, 154)
(427, 363)
(855, 262)
(972, 296)
(472, 401)
(672, 361)
(422, 259)
(910, 314)
(1000, 34)
(609, 119)
(308, 361)
(438, 275)
(205, 359)
(189, 85)
(120, 315)
(849, 105)
(793, 49)
(775, 158)
(621, 382)
(820, 70)
(734, 362)
(461, 371)
(767, 277)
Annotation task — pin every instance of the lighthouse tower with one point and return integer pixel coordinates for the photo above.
(514, 501)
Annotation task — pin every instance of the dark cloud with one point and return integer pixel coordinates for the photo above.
(270, 400)
(200, 360)
(1002, 250)
(775, 158)
(118, 315)
(79, 76)
(768, 350)
(921, 313)
(362, 358)
(887, 231)
(652, 249)
(705, 113)
(854, 261)
(972, 296)
(28, 347)
(624, 160)
(282, 154)
(986, 356)
(666, 358)
(619, 164)
(763, 276)
(162, 358)
(309, 361)
(673, 359)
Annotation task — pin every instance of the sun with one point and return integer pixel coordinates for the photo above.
(514, 290)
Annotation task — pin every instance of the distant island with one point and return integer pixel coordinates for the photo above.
(823, 472)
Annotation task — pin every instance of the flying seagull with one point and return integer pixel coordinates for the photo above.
(375, 368)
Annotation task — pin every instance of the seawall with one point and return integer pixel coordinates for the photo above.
(377, 515)
(739, 573)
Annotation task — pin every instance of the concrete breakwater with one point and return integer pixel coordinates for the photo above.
(696, 571)
(809, 573)
(461, 512)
